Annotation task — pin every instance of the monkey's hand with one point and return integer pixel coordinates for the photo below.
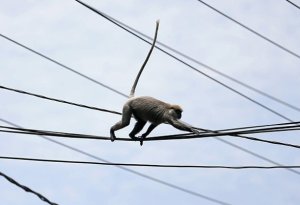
(195, 131)
(142, 137)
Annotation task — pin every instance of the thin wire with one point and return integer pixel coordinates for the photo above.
(148, 165)
(162, 182)
(209, 133)
(207, 66)
(27, 189)
(251, 30)
(58, 100)
(193, 68)
(64, 66)
(298, 7)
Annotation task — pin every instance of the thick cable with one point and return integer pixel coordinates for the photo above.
(157, 138)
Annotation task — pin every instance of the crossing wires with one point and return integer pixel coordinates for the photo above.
(185, 63)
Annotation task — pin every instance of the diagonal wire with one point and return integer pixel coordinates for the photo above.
(251, 30)
(298, 7)
(149, 165)
(162, 182)
(190, 66)
(207, 66)
(58, 100)
(64, 66)
(27, 189)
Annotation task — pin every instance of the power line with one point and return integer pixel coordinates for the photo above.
(207, 66)
(251, 30)
(190, 66)
(159, 181)
(58, 100)
(298, 7)
(222, 140)
(148, 165)
(27, 189)
(208, 133)
(115, 112)
(64, 66)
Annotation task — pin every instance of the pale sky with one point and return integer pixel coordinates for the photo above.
(73, 35)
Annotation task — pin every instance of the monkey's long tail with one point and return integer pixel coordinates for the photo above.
(145, 62)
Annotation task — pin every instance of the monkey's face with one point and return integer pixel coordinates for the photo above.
(176, 113)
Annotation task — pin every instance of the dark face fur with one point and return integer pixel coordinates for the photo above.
(178, 113)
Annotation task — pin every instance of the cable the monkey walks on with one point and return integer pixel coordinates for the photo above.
(146, 108)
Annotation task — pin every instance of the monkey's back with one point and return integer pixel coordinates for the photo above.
(148, 109)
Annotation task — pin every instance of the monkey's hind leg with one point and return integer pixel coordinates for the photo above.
(126, 116)
(150, 128)
(137, 128)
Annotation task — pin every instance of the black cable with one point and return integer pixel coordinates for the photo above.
(298, 7)
(58, 100)
(148, 165)
(207, 66)
(190, 66)
(251, 30)
(27, 189)
(162, 182)
(209, 133)
(64, 66)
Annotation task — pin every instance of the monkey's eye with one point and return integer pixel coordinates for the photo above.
(178, 112)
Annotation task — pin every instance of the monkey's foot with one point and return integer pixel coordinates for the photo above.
(141, 142)
(112, 138)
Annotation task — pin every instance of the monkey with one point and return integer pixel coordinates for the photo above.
(148, 109)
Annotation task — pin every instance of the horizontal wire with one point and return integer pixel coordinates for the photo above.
(185, 63)
(27, 189)
(148, 165)
(165, 137)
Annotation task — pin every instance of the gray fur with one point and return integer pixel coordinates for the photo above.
(148, 109)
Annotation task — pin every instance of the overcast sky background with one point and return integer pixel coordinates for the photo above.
(73, 35)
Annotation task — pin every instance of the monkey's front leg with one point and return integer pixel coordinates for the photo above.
(150, 128)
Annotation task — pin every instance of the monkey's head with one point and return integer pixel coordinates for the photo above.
(175, 110)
